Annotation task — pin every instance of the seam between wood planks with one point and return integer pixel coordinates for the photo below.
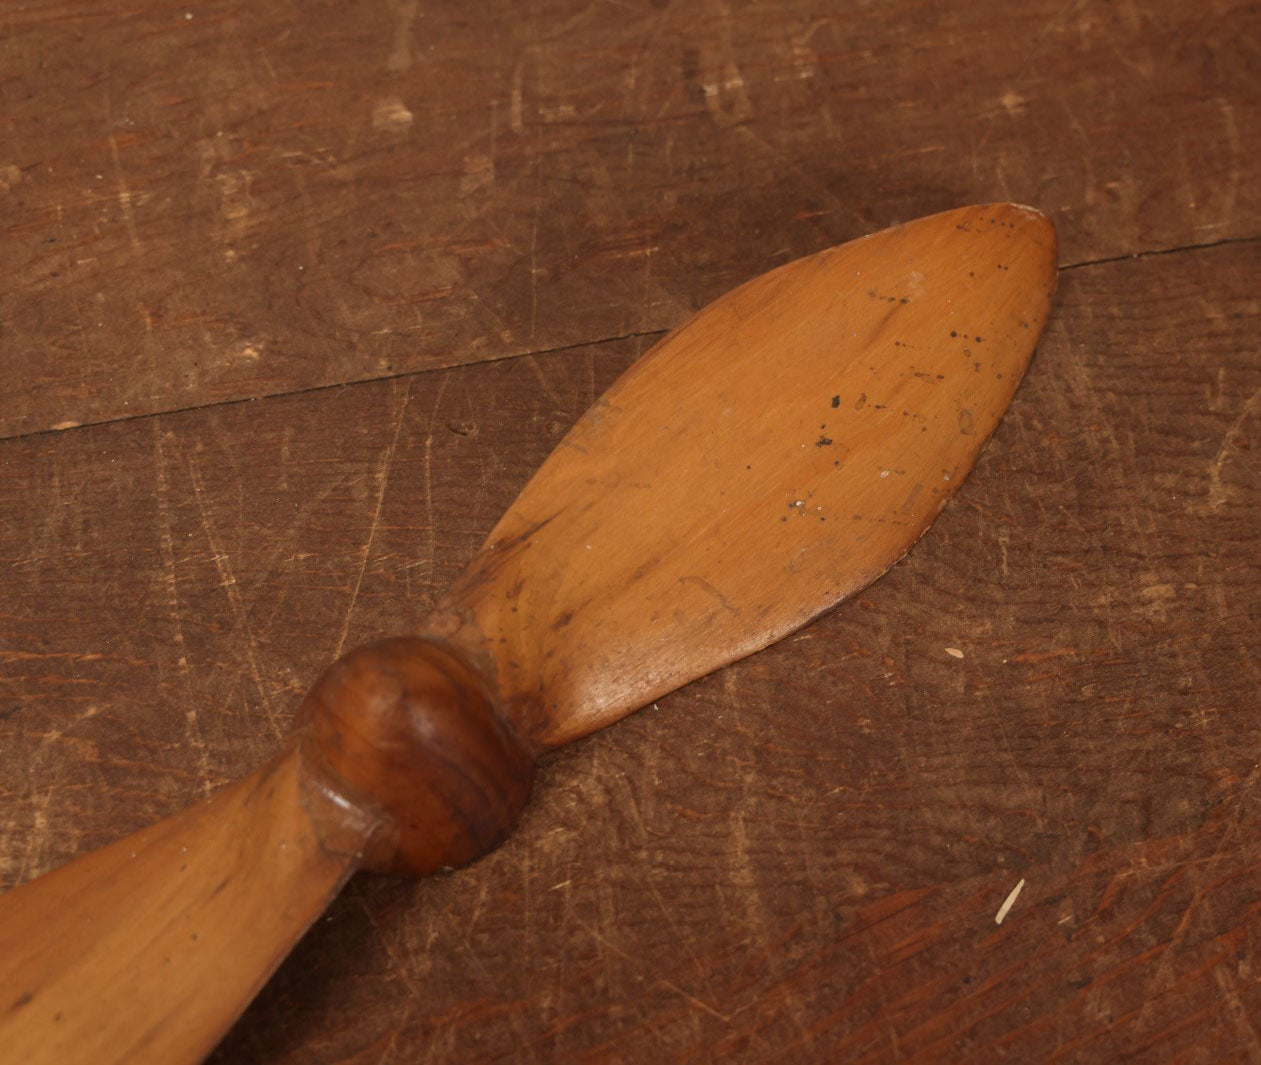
(1158, 251)
(535, 353)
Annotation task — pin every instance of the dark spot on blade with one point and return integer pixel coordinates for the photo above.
(836, 401)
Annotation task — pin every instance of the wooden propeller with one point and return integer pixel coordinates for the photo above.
(768, 458)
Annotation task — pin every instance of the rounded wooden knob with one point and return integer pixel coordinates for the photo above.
(407, 727)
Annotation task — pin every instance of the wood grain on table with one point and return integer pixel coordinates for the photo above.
(419, 240)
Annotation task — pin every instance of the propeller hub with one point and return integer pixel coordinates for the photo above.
(406, 733)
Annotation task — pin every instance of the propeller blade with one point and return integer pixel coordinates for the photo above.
(149, 949)
(774, 454)
(770, 457)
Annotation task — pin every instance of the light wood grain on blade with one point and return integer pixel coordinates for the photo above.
(773, 455)
(149, 949)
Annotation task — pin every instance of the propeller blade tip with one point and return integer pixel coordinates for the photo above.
(1033, 222)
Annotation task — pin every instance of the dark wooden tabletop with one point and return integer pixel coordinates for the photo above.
(297, 295)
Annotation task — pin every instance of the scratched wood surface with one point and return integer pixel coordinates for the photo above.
(219, 200)
(477, 217)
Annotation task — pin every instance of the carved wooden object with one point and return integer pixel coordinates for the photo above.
(773, 455)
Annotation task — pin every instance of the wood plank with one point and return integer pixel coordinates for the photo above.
(227, 201)
(803, 854)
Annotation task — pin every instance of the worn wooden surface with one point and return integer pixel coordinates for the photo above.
(218, 200)
(478, 215)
